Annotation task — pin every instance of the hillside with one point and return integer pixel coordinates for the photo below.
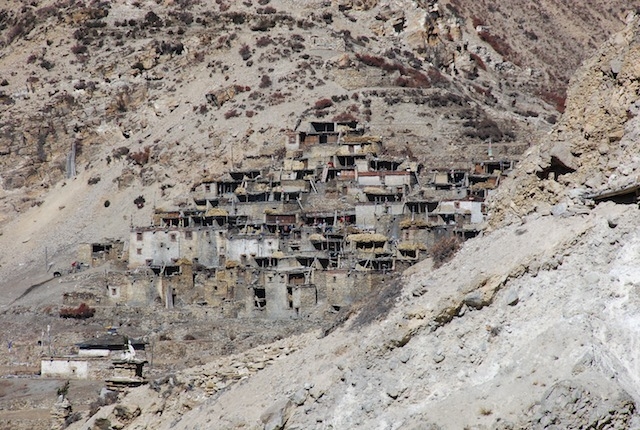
(530, 326)
(104, 105)
(114, 80)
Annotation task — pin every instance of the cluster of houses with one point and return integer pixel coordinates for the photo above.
(324, 226)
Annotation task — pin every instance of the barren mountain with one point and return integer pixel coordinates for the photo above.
(532, 325)
(107, 103)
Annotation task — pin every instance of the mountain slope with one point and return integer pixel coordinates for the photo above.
(136, 93)
(520, 318)
(533, 325)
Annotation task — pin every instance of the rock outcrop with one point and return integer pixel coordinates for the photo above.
(593, 150)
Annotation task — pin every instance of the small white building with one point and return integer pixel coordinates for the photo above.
(241, 247)
(64, 367)
(459, 207)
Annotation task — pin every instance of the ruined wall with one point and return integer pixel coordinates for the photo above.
(206, 283)
(75, 298)
(155, 245)
(181, 285)
(84, 253)
(201, 246)
(304, 299)
(397, 179)
(165, 246)
(276, 294)
(132, 288)
(142, 289)
(339, 286)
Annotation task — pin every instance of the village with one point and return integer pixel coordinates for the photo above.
(319, 230)
(323, 226)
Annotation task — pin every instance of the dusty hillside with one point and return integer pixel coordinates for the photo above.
(121, 88)
(533, 331)
(103, 103)
(530, 326)
(551, 37)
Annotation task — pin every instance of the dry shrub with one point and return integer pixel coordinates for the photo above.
(485, 411)
(245, 52)
(139, 202)
(500, 46)
(81, 312)
(120, 152)
(263, 41)
(169, 48)
(79, 49)
(277, 98)
(231, 114)
(323, 104)
(402, 81)
(373, 61)
(151, 19)
(435, 77)
(47, 65)
(481, 90)
(265, 81)
(444, 250)
(269, 10)
(344, 117)
(556, 99)
(486, 128)
(409, 77)
(141, 157)
(445, 99)
(476, 59)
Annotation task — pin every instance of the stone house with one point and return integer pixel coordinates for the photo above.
(96, 254)
(153, 246)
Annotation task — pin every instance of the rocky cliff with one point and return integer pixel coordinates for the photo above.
(591, 153)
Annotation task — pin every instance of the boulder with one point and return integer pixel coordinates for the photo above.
(559, 209)
(276, 415)
(512, 297)
(583, 404)
(299, 397)
(474, 300)
(561, 156)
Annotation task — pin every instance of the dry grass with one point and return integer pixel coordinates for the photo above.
(485, 411)
(379, 303)
(444, 250)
